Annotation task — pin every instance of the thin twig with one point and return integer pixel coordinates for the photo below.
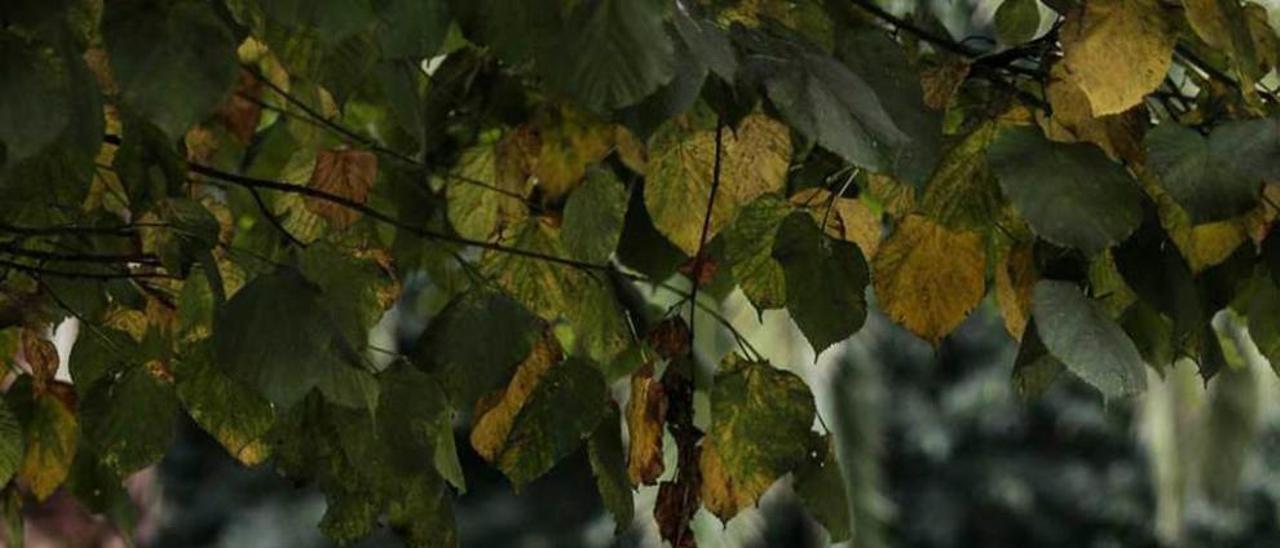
(706, 228)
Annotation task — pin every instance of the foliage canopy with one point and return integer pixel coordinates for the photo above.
(229, 195)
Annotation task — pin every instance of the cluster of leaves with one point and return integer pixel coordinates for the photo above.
(228, 196)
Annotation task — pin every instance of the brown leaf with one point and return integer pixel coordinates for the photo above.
(1117, 52)
(670, 338)
(1119, 135)
(240, 112)
(719, 492)
(646, 415)
(705, 266)
(41, 356)
(1015, 277)
(345, 173)
(941, 81)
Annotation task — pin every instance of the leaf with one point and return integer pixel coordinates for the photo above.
(611, 54)
(1034, 369)
(411, 29)
(752, 401)
(604, 451)
(928, 278)
(1076, 332)
(417, 423)
(232, 413)
(753, 161)
(276, 336)
(1253, 147)
(882, 62)
(748, 250)
(1072, 120)
(646, 417)
(549, 410)
(570, 141)
(962, 194)
(344, 173)
(1015, 277)
(130, 419)
(826, 279)
(12, 444)
(848, 219)
(821, 98)
(458, 344)
(34, 98)
(1017, 21)
(1071, 194)
(708, 44)
(1117, 52)
(593, 217)
(51, 434)
(821, 488)
(496, 414)
(545, 288)
(1200, 173)
(174, 63)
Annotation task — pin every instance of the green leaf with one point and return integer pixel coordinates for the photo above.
(173, 62)
(417, 423)
(826, 279)
(276, 336)
(232, 413)
(1071, 194)
(1017, 21)
(1264, 319)
(608, 465)
(821, 488)
(563, 409)
(709, 46)
(459, 344)
(593, 217)
(750, 402)
(883, 64)
(35, 102)
(1078, 333)
(11, 443)
(130, 419)
(611, 54)
(1252, 147)
(1201, 174)
(748, 250)
(411, 28)
(99, 352)
(490, 22)
(822, 98)
(1034, 369)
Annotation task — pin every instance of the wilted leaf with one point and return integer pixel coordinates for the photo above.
(344, 173)
(927, 278)
(753, 161)
(646, 417)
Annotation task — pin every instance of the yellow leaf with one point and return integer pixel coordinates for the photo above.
(897, 198)
(753, 161)
(928, 278)
(571, 141)
(1207, 19)
(51, 446)
(476, 209)
(1119, 135)
(646, 415)
(721, 495)
(41, 356)
(496, 414)
(1015, 277)
(345, 173)
(1117, 52)
(849, 219)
